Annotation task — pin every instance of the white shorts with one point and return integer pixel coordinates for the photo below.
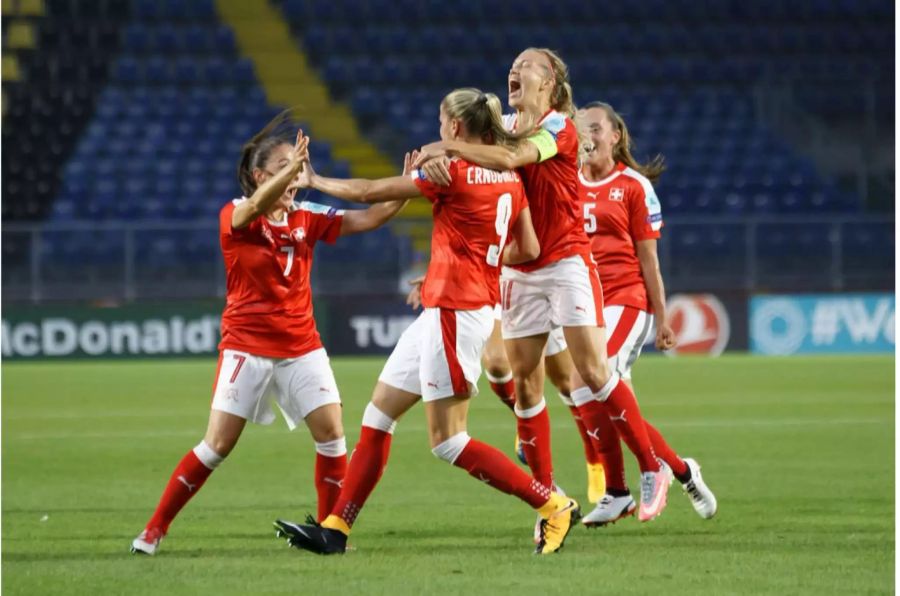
(246, 385)
(566, 293)
(629, 328)
(556, 341)
(439, 355)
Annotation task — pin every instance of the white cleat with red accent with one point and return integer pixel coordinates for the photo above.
(609, 510)
(147, 542)
(654, 491)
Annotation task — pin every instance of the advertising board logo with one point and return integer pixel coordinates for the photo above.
(700, 323)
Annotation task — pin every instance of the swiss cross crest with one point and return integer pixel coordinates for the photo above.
(617, 194)
(298, 234)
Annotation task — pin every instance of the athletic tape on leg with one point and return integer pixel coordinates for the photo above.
(375, 418)
(207, 456)
(450, 449)
(532, 411)
(335, 448)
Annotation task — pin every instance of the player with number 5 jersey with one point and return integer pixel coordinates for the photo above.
(623, 218)
(481, 220)
(270, 347)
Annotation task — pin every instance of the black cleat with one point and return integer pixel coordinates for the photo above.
(312, 537)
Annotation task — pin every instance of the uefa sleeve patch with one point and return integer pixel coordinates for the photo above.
(318, 208)
(655, 221)
(554, 124)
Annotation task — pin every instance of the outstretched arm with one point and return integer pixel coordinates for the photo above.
(377, 215)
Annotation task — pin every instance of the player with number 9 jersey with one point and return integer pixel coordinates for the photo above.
(481, 220)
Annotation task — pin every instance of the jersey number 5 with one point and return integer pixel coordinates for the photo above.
(501, 225)
(590, 220)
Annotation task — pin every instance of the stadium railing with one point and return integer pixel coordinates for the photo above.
(126, 261)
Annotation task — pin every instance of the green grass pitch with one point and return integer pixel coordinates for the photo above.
(800, 452)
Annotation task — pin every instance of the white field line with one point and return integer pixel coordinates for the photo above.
(564, 426)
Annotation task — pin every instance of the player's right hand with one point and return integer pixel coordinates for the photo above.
(665, 337)
(414, 297)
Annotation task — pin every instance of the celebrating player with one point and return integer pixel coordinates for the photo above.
(270, 346)
(437, 359)
(561, 288)
(622, 217)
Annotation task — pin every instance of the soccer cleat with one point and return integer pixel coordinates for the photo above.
(147, 542)
(538, 524)
(555, 528)
(312, 537)
(609, 510)
(654, 490)
(520, 451)
(703, 500)
(596, 482)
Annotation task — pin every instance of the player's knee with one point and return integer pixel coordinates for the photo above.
(449, 449)
(594, 374)
(563, 383)
(328, 433)
(214, 448)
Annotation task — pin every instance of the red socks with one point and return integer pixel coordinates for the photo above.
(366, 466)
(591, 454)
(490, 466)
(534, 434)
(666, 453)
(331, 466)
(186, 480)
(505, 389)
(623, 410)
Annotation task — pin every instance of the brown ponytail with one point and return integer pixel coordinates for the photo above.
(256, 151)
(621, 151)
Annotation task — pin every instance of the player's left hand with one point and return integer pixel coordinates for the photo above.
(414, 297)
(429, 152)
(665, 337)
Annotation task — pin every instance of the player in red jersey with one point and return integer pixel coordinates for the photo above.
(622, 217)
(561, 288)
(437, 359)
(270, 347)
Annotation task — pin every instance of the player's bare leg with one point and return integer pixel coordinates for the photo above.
(604, 394)
(222, 434)
(526, 356)
(497, 368)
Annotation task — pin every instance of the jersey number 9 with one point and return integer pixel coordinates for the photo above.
(501, 224)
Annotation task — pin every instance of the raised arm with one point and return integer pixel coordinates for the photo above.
(524, 245)
(656, 293)
(267, 193)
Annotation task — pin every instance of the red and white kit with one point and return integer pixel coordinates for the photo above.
(270, 347)
(620, 211)
(439, 355)
(561, 288)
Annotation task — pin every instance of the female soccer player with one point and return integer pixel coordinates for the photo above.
(561, 288)
(270, 346)
(623, 219)
(437, 359)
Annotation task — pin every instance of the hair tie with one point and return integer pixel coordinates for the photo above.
(483, 98)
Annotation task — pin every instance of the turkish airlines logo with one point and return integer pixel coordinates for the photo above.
(700, 323)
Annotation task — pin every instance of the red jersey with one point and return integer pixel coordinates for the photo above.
(552, 188)
(619, 211)
(472, 220)
(268, 308)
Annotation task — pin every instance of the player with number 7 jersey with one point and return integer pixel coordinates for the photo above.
(270, 349)
(481, 220)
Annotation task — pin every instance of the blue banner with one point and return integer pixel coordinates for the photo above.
(822, 324)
